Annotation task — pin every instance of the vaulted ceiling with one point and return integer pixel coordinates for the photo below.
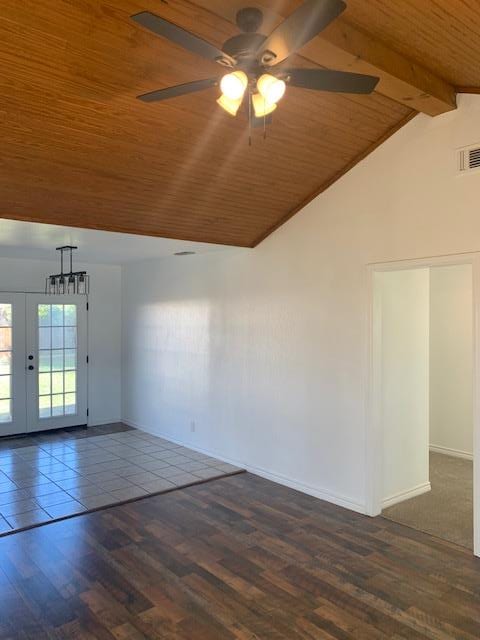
(78, 149)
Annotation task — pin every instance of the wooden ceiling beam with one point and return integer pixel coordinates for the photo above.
(346, 48)
(474, 90)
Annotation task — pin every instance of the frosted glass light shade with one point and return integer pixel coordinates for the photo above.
(271, 88)
(233, 85)
(261, 106)
(229, 105)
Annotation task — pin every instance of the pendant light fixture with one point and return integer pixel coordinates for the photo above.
(70, 282)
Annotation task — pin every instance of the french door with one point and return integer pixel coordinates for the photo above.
(12, 364)
(43, 362)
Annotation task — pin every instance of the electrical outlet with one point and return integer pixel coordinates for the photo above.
(192, 426)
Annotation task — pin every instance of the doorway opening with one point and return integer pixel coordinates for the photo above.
(423, 418)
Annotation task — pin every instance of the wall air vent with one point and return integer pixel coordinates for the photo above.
(469, 159)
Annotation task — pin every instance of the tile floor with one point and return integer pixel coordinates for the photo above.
(50, 477)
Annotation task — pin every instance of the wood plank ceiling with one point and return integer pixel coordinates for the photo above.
(78, 149)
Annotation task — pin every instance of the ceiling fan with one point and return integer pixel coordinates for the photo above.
(255, 62)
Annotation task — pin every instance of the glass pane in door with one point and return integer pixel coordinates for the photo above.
(5, 362)
(57, 358)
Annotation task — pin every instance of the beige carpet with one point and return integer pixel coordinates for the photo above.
(447, 510)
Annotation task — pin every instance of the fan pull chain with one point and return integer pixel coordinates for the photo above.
(264, 120)
(249, 117)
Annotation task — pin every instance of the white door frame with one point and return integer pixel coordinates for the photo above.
(21, 353)
(374, 431)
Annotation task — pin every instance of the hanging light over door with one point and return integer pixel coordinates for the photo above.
(70, 282)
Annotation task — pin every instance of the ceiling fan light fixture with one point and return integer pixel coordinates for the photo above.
(271, 88)
(233, 85)
(229, 105)
(250, 55)
(261, 107)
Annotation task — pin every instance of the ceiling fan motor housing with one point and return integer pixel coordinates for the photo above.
(245, 46)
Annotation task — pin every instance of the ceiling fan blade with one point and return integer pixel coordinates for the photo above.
(327, 80)
(300, 27)
(178, 90)
(182, 37)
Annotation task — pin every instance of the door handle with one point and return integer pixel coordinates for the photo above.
(31, 367)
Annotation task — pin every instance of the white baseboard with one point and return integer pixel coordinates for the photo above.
(456, 453)
(406, 495)
(321, 494)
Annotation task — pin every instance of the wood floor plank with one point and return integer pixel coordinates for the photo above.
(239, 558)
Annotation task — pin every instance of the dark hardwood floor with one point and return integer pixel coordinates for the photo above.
(239, 558)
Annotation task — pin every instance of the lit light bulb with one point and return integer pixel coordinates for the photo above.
(233, 85)
(230, 106)
(271, 88)
(261, 107)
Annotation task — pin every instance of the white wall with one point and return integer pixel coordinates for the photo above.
(451, 415)
(267, 350)
(104, 383)
(403, 305)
